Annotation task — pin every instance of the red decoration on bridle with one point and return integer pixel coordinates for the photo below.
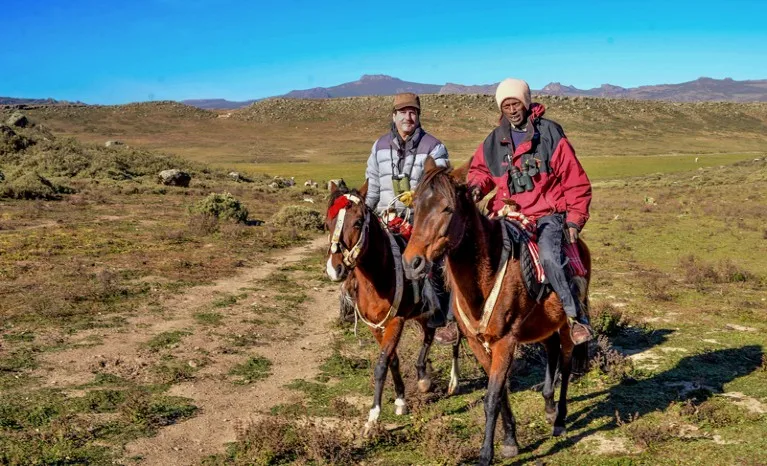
(342, 202)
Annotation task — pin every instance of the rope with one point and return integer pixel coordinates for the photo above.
(492, 299)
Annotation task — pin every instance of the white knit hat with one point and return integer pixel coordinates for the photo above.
(515, 88)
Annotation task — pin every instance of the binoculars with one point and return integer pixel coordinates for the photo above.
(401, 184)
(521, 181)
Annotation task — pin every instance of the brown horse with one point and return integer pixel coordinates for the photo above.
(448, 223)
(383, 298)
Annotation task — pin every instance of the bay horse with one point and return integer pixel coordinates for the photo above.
(383, 298)
(493, 308)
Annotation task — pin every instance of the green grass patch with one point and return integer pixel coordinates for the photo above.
(167, 340)
(209, 318)
(254, 369)
(225, 301)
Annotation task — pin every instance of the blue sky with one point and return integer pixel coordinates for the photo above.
(117, 52)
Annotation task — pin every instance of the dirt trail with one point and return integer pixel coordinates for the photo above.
(295, 350)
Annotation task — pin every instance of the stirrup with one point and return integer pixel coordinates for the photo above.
(579, 332)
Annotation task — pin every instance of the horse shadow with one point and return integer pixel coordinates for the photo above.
(530, 373)
(695, 378)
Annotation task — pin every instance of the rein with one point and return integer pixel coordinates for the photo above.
(398, 273)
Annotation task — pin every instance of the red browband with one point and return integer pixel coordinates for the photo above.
(341, 203)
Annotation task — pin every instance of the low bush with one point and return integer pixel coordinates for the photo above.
(299, 217)
(221, 206)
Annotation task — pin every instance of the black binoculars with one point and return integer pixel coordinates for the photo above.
(521, 181)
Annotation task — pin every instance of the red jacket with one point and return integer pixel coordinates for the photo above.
(561, 184)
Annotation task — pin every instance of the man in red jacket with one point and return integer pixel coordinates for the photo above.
(531, 162)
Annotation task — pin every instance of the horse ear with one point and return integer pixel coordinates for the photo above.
(429, 164)
(461, 173)
(364, 190)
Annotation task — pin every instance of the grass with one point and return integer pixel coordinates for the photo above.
(47, 427)
(669, 302)
(674, 298)
(166, 340)
(209, 318)
(255, 368)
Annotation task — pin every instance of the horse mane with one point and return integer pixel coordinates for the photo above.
(442, 183)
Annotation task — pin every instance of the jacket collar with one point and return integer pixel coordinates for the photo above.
(412, 141)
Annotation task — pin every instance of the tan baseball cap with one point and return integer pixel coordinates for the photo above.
(407, 99)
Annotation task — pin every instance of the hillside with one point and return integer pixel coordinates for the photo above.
(301, 130)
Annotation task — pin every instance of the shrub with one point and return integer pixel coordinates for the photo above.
(10, 142)
(700, 273)
(222, 206)
(299, 217)
(648, 434)
(610, 362)
(279, 441)
(29, 186)
(606, 319)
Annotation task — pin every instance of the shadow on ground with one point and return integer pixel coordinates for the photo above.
(695, 377)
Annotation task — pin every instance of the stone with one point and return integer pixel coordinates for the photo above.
(174, 177)
(17, 119)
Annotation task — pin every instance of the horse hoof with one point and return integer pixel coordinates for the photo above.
(368, 430)
(424, 385)
(551, 417)
(509, 451)
(452, 389)
(559, 431)
(400, 410)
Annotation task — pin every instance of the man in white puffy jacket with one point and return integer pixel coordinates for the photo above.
(396, 160)
(395, 166)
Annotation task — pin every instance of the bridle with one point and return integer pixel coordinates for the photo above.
(336, 244)
(445, 233)
(350, 260)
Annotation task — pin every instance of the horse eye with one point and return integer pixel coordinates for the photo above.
(447, 210)
(358, 224)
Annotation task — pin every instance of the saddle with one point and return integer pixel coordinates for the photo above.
(533, 275)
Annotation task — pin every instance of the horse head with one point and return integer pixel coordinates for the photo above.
(441, 205)
(348, 221)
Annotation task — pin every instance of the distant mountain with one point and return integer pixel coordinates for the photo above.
(368, 84)
(48, 101)
(214, 104)
(702, 89)
(452, 88)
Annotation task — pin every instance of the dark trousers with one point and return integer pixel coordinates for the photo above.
(550, 237)
(443, 309)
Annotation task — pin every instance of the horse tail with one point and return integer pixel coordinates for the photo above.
(581, 352)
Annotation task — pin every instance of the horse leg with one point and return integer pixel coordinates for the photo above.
(424, 378)
(388, 340)
(552, 360)
(510, 447)
(400, 407)
(500, 364)
(453, 385)
(565, 365)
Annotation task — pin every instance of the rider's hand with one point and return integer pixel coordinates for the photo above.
(476, 194)
(572, 235)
